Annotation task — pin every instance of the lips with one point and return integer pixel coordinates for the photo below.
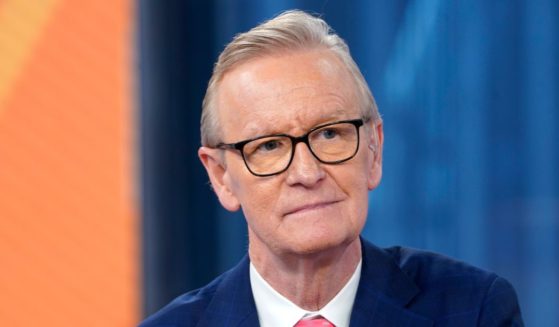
(310, 207)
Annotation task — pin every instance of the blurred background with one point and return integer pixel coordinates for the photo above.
(105, 211)
(69, 223)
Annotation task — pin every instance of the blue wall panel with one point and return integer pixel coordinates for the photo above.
(469, 95)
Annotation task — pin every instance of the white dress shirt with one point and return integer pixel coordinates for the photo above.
(274, 310)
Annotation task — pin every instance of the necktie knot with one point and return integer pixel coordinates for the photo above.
(314, 322)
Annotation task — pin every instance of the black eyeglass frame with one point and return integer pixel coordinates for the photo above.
(294, 141)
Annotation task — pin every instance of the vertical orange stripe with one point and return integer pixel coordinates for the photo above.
(68, 245)
(17, 36)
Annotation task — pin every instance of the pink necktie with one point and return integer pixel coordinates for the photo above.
(314, 322)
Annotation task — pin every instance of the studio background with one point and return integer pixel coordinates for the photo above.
(468, 94)
(105, 210)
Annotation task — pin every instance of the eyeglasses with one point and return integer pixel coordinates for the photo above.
(331, 143)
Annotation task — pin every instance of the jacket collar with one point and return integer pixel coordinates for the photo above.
(232, 304)
(384, 292)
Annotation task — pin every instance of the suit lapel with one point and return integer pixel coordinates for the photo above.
(383, 293)
(233, 303)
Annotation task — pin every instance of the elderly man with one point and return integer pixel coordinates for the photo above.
(292, 136)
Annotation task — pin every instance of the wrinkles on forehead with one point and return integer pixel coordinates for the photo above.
(293, 120)
(284, 95)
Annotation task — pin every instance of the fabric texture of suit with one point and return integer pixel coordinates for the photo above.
(398, 287)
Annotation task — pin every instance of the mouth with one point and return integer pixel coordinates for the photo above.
(310, 207)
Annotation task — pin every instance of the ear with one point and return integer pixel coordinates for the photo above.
(214, 163)
(375, 141)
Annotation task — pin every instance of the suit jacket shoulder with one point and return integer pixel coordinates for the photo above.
(424, 288)
(226, 301)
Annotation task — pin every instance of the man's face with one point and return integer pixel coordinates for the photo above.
(312, 206)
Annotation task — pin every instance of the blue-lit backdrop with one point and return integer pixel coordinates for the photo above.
(469, 95)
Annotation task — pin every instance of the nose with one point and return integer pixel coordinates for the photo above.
(305, 169)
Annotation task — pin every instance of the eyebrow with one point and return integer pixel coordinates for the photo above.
(256, 131)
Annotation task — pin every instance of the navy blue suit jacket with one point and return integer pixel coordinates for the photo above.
(398, 287)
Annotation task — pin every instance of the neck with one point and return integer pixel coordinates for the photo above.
(311, 280)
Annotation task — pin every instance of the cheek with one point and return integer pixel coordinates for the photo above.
(356, 186)
(357, 176)
(258, 207)
(258, 199)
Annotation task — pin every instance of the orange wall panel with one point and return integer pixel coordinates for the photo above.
(68, 224)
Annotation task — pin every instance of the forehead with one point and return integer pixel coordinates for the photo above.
(283, 93)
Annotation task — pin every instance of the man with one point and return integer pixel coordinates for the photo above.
(292, 136)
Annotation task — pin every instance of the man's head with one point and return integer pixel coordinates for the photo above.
(290, 77)
(289, 32)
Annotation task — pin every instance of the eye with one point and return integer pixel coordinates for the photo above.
(272, 145)
(269, 145)
(329, 133)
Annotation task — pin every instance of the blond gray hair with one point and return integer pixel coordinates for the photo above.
(292, 30)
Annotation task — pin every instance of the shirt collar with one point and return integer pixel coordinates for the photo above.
(274, 310)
